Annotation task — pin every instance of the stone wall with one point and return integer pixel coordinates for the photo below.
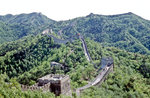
(106, 74)
(98, 80)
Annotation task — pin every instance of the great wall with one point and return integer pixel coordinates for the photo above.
(53, 83)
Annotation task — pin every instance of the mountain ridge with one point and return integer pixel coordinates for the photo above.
(110, 30)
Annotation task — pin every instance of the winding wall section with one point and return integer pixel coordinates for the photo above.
(106, 65)
(85, 49)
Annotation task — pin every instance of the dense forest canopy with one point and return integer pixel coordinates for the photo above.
(26, 55)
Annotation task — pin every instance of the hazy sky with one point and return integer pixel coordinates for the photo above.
(68, 9)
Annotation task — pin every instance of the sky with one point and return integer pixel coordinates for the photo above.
(68, 9)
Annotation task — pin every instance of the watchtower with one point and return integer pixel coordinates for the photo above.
(59, 84)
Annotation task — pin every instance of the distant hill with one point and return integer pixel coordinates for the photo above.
(126, 31)
(14, 27)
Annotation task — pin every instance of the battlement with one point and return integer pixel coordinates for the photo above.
(54, 77)
(36, 87)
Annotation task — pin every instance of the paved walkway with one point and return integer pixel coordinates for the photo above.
(85, 49)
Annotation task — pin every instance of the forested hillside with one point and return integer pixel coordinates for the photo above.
(26, 54)
(29, 58)
(126, 31)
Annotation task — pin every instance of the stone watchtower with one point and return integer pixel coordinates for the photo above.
(59, 84)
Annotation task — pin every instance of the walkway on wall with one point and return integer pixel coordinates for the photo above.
(98, 80)
(87, 55)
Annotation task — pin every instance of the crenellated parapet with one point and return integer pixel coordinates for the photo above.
(36, 87)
